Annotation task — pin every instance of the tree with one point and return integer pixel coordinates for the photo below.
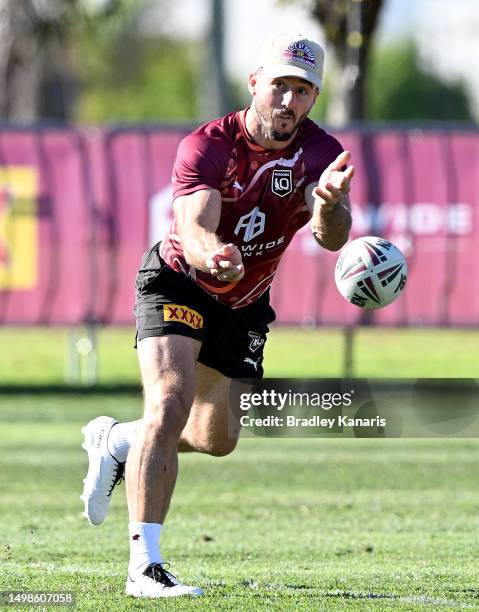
(399, 88)
(34, 63)
(349, 26)
(135, 78)
(37, 70)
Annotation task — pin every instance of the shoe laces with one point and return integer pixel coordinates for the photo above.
(157, 572)
(118, 476)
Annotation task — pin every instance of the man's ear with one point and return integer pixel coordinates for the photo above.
(252, 83)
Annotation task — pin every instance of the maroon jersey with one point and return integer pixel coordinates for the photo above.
(262, 193)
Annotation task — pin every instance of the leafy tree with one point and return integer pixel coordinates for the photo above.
(138, 79)
(399, 88)
(61, 59)
(36, 75)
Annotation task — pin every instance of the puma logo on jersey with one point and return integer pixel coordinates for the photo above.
(253, 224)
(236, 185)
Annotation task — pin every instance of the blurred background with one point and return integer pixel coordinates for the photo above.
(97, 61)
(95, 96)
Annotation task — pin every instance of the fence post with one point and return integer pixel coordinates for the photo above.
(348, 366)
(82, 361)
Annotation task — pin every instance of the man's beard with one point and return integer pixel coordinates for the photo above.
(268, 117)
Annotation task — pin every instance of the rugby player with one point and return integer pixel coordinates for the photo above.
(243, 185)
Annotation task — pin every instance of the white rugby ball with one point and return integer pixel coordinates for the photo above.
(370, 272)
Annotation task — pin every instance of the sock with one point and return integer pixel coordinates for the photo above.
(121, 439)
(144, 546)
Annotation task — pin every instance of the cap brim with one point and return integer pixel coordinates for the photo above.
(273, 71)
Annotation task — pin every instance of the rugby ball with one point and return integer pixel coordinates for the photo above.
(370, 272)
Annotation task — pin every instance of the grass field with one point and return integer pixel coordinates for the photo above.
(288, 524)
(38, 356)
(294, 524)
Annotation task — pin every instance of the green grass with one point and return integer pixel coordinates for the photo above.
(39, 355)
(292, 524)
(312, 524)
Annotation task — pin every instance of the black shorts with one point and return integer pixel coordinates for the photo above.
(168, 302)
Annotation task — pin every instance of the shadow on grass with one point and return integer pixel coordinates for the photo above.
(119, 389)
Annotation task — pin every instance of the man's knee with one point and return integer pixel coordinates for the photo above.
(217, 448)
(166, 412)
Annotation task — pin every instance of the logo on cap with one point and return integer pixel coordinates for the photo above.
(300, 52)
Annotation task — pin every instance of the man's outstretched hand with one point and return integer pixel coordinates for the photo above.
(226, 263)
(333, 184)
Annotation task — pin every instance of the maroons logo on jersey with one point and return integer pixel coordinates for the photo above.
(282, 182)
(300, 52)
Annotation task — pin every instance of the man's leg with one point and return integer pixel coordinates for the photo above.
(168, 370)
(213, 424)
(212, 428)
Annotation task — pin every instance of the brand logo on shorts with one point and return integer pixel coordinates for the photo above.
(282, 182)
(182, 314)
(252, 362)
(253, 224)
(256, 341)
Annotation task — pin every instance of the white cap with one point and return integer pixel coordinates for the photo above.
(292, 55)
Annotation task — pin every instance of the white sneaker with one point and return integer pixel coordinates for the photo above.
(104, 471)
(157, 582)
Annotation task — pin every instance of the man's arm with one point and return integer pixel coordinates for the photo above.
(328, 202)
(197, 218)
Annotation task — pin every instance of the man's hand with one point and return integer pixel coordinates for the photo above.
(333, 185)
(328, 202)
(226, 263)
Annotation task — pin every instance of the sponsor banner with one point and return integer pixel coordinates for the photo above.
(18, 227)
(78, 209)
(135, 208)
(46, 276)
(355, 408)
(418, 190)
